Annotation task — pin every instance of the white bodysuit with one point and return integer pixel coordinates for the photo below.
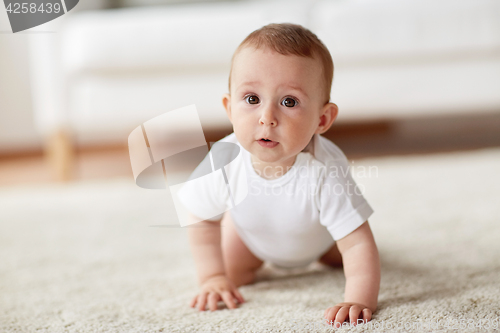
(294, 219)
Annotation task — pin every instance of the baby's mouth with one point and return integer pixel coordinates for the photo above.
(268, 143)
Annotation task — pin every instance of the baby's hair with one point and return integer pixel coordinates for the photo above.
(286, 39)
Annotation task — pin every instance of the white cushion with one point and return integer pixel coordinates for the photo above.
(413, 90)
(121, 103)
(358, 30)
(193, 35)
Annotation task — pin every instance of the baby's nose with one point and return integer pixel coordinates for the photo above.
(266, 122)
(268, 118)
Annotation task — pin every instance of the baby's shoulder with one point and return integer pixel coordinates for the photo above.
(230, 138)
(328, 153)
(225, 151)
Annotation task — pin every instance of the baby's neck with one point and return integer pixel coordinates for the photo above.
(271, 171)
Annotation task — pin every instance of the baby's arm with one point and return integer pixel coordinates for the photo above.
(362, 273)
(205, 242)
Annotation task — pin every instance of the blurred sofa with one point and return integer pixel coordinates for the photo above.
(105, 72)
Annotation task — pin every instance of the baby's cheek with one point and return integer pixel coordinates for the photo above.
(241, 134)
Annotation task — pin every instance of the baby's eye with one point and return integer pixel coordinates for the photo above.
(252, 99)
(289, 102)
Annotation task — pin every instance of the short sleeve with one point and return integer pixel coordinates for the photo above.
(342, 205)
(205, 197)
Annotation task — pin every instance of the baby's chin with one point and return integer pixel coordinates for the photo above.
(264, 158)
(270, 158)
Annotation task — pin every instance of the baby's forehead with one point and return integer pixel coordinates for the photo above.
(267, 62)
(252, 64)
(314, 58)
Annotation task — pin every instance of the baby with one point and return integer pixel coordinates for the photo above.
(279, 104)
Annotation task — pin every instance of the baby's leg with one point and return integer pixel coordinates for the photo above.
(332, 257)
(239, 262)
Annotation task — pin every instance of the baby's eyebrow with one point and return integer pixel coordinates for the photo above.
(252, 83)
(248, 83)
(296, 88)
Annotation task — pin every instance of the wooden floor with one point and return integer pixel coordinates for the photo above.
(412, 136)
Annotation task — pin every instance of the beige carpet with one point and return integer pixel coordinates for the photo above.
(83, 257)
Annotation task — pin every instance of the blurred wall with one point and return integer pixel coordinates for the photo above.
(17, 131)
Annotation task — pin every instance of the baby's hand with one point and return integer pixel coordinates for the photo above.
(215, 289)
(339, 313)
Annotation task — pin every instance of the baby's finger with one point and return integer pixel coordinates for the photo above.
(354, 314)
(341, 316)
(193, 301)
(330, 313)
(202, 301)
(213, 298)
(367, 315)
(238, 296)
(228, 299)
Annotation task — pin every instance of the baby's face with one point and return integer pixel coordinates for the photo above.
(276, 97)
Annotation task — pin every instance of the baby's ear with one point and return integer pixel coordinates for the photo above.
(328, 115)
(226, 101)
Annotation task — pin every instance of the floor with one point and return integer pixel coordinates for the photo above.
(360, 140)
(105, 256)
